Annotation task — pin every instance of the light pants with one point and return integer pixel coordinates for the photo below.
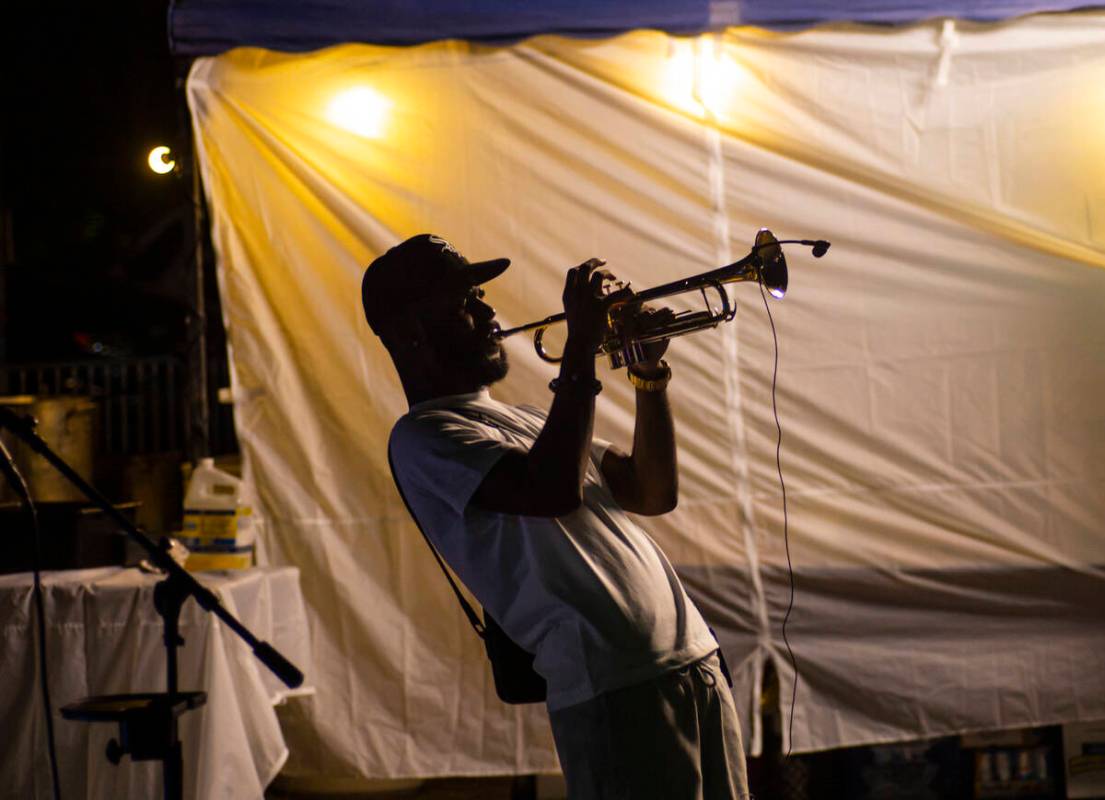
(676, 737)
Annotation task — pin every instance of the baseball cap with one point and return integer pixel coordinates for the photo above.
(423, 266)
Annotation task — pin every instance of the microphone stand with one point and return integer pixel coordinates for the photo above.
(148, 728)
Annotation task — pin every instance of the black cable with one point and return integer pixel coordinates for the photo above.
(20, 487)
(44, 674)
(786, 531)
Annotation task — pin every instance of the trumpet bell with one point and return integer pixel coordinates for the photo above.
(773, 269)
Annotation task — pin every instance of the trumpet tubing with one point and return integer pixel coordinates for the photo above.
(764, 264)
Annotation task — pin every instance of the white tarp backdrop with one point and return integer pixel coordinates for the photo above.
(940, 370)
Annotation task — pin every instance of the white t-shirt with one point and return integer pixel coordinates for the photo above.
(589, 593)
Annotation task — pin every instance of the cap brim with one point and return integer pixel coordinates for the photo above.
(483, 271)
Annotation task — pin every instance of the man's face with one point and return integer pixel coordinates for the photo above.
(461, 328)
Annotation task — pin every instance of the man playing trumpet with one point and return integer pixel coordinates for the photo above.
(530, 512)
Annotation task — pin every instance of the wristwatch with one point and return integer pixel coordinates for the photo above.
(655, 384)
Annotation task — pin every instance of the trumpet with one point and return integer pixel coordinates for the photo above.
(764, 264)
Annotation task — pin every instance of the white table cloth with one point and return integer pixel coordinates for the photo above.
(104, 637)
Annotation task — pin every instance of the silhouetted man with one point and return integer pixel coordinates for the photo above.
(529, 510)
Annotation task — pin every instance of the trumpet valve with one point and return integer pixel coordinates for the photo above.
(609, 287)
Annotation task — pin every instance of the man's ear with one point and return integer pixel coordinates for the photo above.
(403, 335)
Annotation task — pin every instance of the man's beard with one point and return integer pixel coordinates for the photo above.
(472, 357)
(490, 369)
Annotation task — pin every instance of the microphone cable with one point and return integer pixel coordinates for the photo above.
(20, 486)
(786, 531)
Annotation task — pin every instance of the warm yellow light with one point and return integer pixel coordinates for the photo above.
(711, 77)
(700, 77)
(159, 160)
(360, 110)
(677, 80)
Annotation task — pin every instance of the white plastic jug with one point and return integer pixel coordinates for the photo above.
(218, 525)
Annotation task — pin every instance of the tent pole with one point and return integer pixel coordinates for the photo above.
(199, 429)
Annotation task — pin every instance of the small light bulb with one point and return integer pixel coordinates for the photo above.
(159, 160)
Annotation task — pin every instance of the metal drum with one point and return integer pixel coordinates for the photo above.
(67, 423)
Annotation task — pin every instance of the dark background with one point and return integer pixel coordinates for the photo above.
(95, 248)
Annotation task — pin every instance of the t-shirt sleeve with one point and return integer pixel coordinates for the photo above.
(443, 460)
(598, 450)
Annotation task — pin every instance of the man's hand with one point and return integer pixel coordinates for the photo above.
(647, 481)
(586, 303)
(644, 320)
(548, 480)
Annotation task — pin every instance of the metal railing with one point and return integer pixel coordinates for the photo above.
(141, 402)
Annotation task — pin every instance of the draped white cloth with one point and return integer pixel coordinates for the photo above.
(104, 637)
(940, 371)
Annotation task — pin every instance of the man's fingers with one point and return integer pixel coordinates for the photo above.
(598, 278)
(577, 275)
(619, 296)
(656, 316)
(590, 272)
(585, 269)
(581, 275)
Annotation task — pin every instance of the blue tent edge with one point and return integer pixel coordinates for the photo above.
(209, 27)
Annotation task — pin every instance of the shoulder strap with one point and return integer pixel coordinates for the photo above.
(469, 612)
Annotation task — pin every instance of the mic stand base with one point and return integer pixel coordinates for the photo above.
(148, 722)
(147, 728)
